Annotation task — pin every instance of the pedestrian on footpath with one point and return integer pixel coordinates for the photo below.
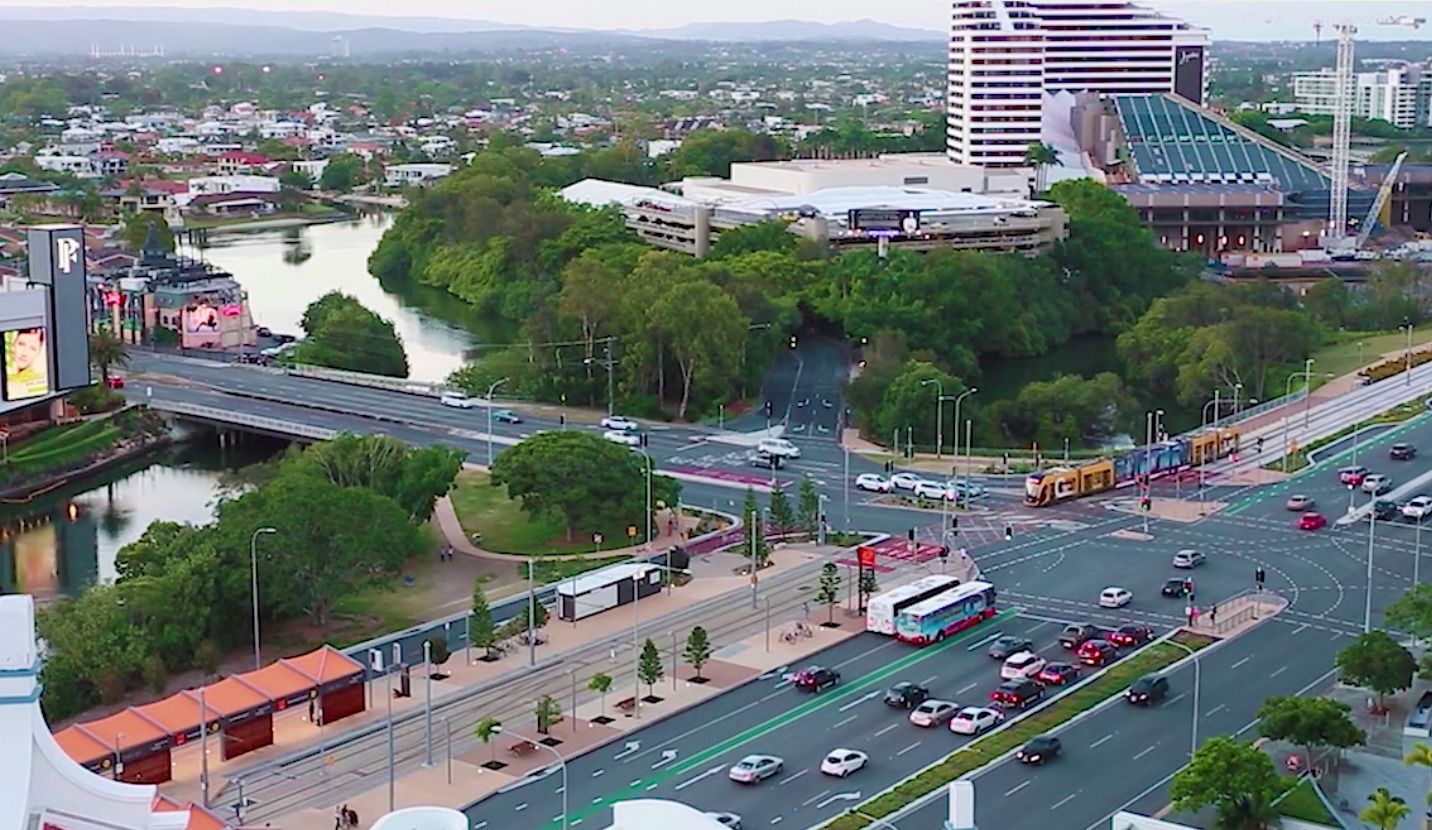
(805, 609)
(1213, 614)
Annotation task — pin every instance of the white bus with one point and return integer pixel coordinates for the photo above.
(880, 614)
(949, 613)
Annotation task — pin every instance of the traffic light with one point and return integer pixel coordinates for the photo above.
(1008, 532)
(1146, 504)
(793, 341)
(769, 409)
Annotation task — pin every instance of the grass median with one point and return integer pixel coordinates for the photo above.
(984, 750)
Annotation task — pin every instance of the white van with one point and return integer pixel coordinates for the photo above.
(460, 400)
(778, 447)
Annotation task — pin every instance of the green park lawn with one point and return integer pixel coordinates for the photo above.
(1302, 803)
(1341, 357)
(505, 528)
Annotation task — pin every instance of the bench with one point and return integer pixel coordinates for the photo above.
(628, 705)
(520, 748)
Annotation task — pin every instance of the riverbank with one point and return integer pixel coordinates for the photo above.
(222, 226)
(65, 454)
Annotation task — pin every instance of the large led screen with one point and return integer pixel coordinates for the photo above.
(27, 364)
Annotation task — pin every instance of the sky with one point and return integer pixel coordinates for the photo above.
(1228, 19)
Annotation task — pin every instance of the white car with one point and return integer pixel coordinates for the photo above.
(842, 762)
(1417, 508)
(617, 436)
(932, 713)
(459, 400)
(934, 490)
(755, 768)
(973, 720)
(617, 422)
(870, 482)
(778, 447)
(1115, 597)
(1021, 665)
(968, 489)
(905, 481)
(1376, 483)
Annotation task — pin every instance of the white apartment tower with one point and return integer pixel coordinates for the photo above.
(1005, 55)
(1400, 95)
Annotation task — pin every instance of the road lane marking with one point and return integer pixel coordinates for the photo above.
(1105, 739)
(776, 820)
(1065, 800)
(521, 807)
(967, 688)
(1240, 662)
(684, 784)
(815, 798)
(1016, 788)
(1145, 752)
(1171, 701)
(887, 729)
(652, 786)
(788, 779)
(986, 641)
(599, 773)
(907, 749)
(1300, 629)
(859, 700)
(844, 722)
(1277, 672)
(931, 679)
(1215, 710)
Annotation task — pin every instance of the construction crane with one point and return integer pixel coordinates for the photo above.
(1403, 20)
(1382, 195)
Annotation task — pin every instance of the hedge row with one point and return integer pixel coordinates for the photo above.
(982, 751)
(1397, 365)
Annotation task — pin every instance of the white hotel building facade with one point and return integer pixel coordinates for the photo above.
(1006, 55)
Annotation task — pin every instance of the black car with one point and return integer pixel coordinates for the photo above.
(906, 695)
(1017, 694)
(1175, 587)
(1075, 634)
(1005, 646)
(1058, 674)
(1148, 689)
(1402, 452)
(816, 678)
(1385, 510)
(1039, 750)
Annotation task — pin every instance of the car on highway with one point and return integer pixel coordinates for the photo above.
(1311, 520)
(872, 483)
(1128, 636)
(1017, 694)
(620, 423)
(936, 490)
(765, 461)
(506, 416)
(780, 447)
(1151, 688)
(1299, 503)
(1175, 586)
(730, 820)
(905, 481)
(1402, 452)
(457, 400)
(1058, 674)
(1008, 646)
(1022, 664)
(1352, 475)
(1417, 508)
(618, 436)
(1115, 597)
(842, 762)
(755, 768)
(1188, 559)
(933, 712)
(906, 695)
(973, 720)
(816, 678)
(1039, 750)
(1098, 653)
(1385, 510)
(1376, 484)
(1074, 635)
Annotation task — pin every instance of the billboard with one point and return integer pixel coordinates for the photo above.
(884, 221)
(27, 364)
(1188, 73)
(57, 262)
(201, 318)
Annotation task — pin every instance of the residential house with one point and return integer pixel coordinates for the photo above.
(243, 161)
(74, 165)
(235, 203)
(208, 185)
(404, 175)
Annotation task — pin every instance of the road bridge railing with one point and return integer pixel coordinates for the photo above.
(410, 387)
(241, 419)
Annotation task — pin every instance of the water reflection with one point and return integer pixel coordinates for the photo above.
(63, 542)
(285, 270)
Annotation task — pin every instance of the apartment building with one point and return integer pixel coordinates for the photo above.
(1006, 55)
(1399, 95)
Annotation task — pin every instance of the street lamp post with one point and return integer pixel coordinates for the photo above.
(1367, 607)
(1197, 683)
(1408, 327)
(491, 390)
(561, 762)
(254, 571)
(428, 697)
(939, 412)
(958, 400)
(1307, 390)
(1417, 556)
(1237, 390)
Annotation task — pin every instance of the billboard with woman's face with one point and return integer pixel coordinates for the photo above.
(27, 364)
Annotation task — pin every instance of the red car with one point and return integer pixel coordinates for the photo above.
(1058, 674)
(1127, 636)
(1098, 653)
(114, 381)
(1352, 475)
(1311, 521)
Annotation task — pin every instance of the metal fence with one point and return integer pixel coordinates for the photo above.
(242, 419)
(410, 387)
(1259, 409)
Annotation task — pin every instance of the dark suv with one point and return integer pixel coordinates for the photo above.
(1075, 634)
(906, 695)
(1017, 694)
(816, 678)
(1402, 452)
(1148, 689)
(1385, 510)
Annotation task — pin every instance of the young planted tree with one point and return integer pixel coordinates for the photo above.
(438, 653)
(480, 626)
(649, 669)
(1378, 663)
(1309, 722)
(548, 713)
(829, 593)
(755, 530)
(782, 519)
(1384, 810)
(1236, 779)
(868, 583)
(808, 506)
(486, 730)
(601, 684)
(698, 651)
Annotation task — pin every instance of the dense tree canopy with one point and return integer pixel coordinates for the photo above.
(342, 334)
(1236, 779)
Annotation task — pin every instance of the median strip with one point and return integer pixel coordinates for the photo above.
(991, 747)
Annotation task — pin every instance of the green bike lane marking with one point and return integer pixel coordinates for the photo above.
(1276, 489)
(815, 704)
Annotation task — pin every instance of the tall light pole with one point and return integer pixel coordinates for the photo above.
(491, 390)
(939, 412)
(1307, 390)
(1306, 375)
(562, 762)
(1417, 556)
(1408, 326)
(1237, 390)
(610, 365)
(1197, 682)
(1367, 607)
(254, 571)
(958, 400)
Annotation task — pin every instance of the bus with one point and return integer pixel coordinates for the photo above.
(882, 610)
(953, 611)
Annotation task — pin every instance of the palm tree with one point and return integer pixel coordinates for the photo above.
(1420, 756)
(107, 350)
(1385, 810)
(1040, 156)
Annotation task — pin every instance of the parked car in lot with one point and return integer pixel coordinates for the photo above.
(1151, 688)
(905, 481)
(973, 720)
(872, 483)
(906, 695)
(1039, 750)
(816, 678)
(933, 712)
(1074, 635)
(1311, 520)
(1058, 674)
(1023, 664)
(1188, 559)
(755, 768)
(1417, 508)
(1402, 452)
(617, 422)
(1376, 483)
(1017, 694)
(1352, 475)
(1007, 646)
(842, 762)
(1299, 503)
(1115, 597)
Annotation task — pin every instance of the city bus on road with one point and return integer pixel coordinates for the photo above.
(883, 609)
(949, 613)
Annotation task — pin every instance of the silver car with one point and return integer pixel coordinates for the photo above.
(755, 768)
